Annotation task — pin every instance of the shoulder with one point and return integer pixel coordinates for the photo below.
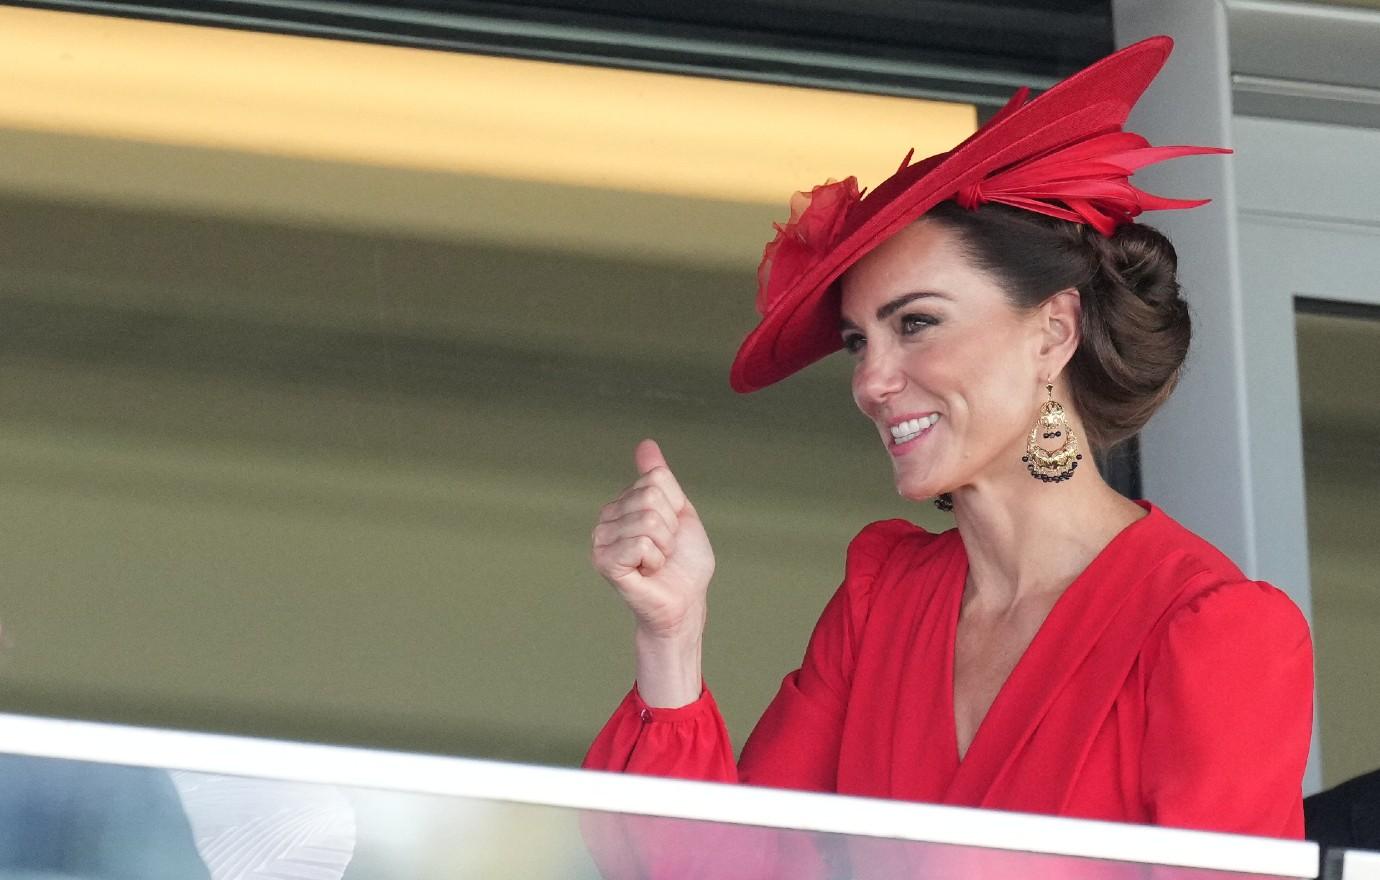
(1183, 554)
(1239, 624)
(1239, 612)
(876, 545)
(877, 541)
(1216, 609)
(869, 553)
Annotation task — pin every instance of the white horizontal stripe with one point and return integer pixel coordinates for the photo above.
(613, 792)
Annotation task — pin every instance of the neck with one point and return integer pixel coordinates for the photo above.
(1025, 538)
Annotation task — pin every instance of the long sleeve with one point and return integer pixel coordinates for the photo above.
(1229, 714)
(795, 744)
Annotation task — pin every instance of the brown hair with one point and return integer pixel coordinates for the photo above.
(1135, 325)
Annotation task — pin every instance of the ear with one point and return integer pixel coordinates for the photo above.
(1060, 325)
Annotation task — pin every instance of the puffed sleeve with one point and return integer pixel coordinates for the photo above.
(795, 745)
(1229, 714)
(796, 742)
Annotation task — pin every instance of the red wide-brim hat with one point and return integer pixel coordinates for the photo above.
(1063, 154)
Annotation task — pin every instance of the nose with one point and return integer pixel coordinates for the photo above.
(876, 377)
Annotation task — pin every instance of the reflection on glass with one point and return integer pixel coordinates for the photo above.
(72, 819)
(263, 828)
(106, 822)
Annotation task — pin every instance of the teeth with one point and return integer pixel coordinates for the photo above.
(908, 430)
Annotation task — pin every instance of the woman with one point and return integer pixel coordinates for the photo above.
(1064, 650)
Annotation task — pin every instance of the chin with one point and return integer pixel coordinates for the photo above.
(917, 490)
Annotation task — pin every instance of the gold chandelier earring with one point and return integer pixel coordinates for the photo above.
(1051, 465)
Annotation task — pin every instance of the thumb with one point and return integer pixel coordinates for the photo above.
(648, 455)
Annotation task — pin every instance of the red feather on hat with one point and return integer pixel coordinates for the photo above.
(1086, 181)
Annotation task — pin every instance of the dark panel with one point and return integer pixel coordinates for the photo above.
(974, 50)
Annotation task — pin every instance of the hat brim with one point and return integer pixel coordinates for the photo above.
(802, 325)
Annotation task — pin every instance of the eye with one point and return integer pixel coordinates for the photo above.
(914, 323)
(852, 342)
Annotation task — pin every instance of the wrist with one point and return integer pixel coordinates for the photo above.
(686, 631)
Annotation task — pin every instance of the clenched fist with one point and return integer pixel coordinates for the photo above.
(651, 546)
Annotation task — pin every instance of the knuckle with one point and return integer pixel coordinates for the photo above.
(657, 476)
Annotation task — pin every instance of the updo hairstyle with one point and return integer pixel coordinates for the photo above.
(1135, 325)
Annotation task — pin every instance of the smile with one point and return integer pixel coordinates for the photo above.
(906, 432)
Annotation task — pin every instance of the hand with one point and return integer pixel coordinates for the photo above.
(651, 546)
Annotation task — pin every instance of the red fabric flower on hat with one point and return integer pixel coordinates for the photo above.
(816, 219)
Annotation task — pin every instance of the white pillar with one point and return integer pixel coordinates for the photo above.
(1223, 456)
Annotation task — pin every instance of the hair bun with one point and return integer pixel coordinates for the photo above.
(1136, 326)
(1146, 261)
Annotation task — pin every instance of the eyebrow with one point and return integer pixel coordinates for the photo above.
(892, 307)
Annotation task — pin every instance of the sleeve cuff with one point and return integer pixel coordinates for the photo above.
(703, 705)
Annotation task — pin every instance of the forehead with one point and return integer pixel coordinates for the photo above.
(924, 256)
(920, 251)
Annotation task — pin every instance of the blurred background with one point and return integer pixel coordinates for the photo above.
(326, 329)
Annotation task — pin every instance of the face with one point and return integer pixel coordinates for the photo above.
(946, 368)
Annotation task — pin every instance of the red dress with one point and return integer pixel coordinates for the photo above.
(1163, 688)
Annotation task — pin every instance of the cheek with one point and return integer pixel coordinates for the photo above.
(1000, 405)
(989, 381)
(955, 366)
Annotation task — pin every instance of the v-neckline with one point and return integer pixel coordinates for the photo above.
(1001, 698)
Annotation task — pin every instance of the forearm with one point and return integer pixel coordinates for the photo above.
(669, 664)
